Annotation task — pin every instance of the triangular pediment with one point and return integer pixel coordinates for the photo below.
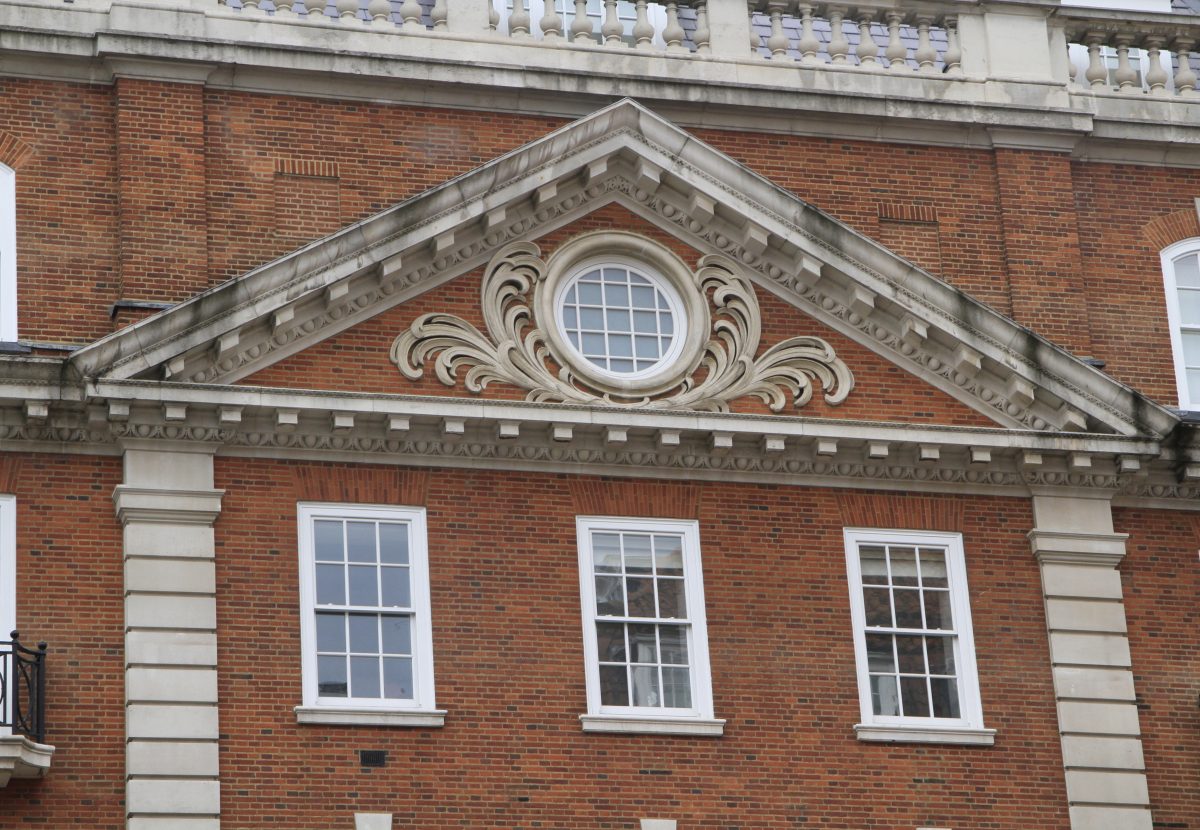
(450, 319)
(626, 155)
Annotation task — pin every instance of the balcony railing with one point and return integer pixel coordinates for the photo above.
(1102, 52)
(23, 689)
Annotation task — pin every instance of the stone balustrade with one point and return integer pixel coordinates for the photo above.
(1151, 56)
(870, 35)
(954, 40)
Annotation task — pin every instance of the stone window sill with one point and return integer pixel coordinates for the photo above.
(925, 734)
(23, 758)
(652, 725)
(348, 716)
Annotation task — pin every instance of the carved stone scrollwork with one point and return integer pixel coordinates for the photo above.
(517, 349)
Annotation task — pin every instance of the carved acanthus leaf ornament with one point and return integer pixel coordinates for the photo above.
(517, 351)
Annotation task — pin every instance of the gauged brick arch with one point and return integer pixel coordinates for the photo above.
(13, 151)
(1171, 228)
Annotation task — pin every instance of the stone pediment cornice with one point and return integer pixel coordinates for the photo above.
(105, 416)
(626, 155)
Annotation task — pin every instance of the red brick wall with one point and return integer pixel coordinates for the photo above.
(1161, 579)
(69, 594)
(161, 169)
(507, 647)
(357, 359)
(66, 207)
(863, 183)
(1122, 269)
(384, 154)
(1041, 243)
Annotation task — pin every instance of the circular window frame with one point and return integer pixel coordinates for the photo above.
(671, 275)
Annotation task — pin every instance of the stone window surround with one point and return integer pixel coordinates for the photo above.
(646, 720)
(968, 729)
(422, 711)
(1188, 400)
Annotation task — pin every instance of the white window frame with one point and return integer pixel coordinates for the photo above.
(968, 728)
(421, 710)
(1188, 399)
(8, 254)
(675, 306)
(8, 582)
(699, 720)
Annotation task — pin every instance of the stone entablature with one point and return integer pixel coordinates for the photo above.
(430, 431)
(1006, 67)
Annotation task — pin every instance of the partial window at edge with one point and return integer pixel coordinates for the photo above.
(1181, 276)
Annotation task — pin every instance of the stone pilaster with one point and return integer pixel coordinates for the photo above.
(1079, 553)
(167, 507)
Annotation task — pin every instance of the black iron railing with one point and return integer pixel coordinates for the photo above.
(23, 688)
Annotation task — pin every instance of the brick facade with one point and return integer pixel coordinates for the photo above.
(70, 596)
(1161, 586)
(150, 192)
(505, 593)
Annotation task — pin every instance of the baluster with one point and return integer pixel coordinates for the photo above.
(1072, 69)
(315, 9)
(1185, 77)
(438, 15)
(926, 55)
(953, 57)
(808, 45)
(493, 18)
(410, 14)
(778, 41)
(1156, 75)
(612, 28)
(1097, 72)
(581, 26)
(551, 23)
(643, 32)
(518, 21)
(283, 8)
(1126, 75)
(702, 35)
(251, 7)
(673, 33)
(347, 9)
(380, 12)
(839, 47)
(897, 52)
(868, 49)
